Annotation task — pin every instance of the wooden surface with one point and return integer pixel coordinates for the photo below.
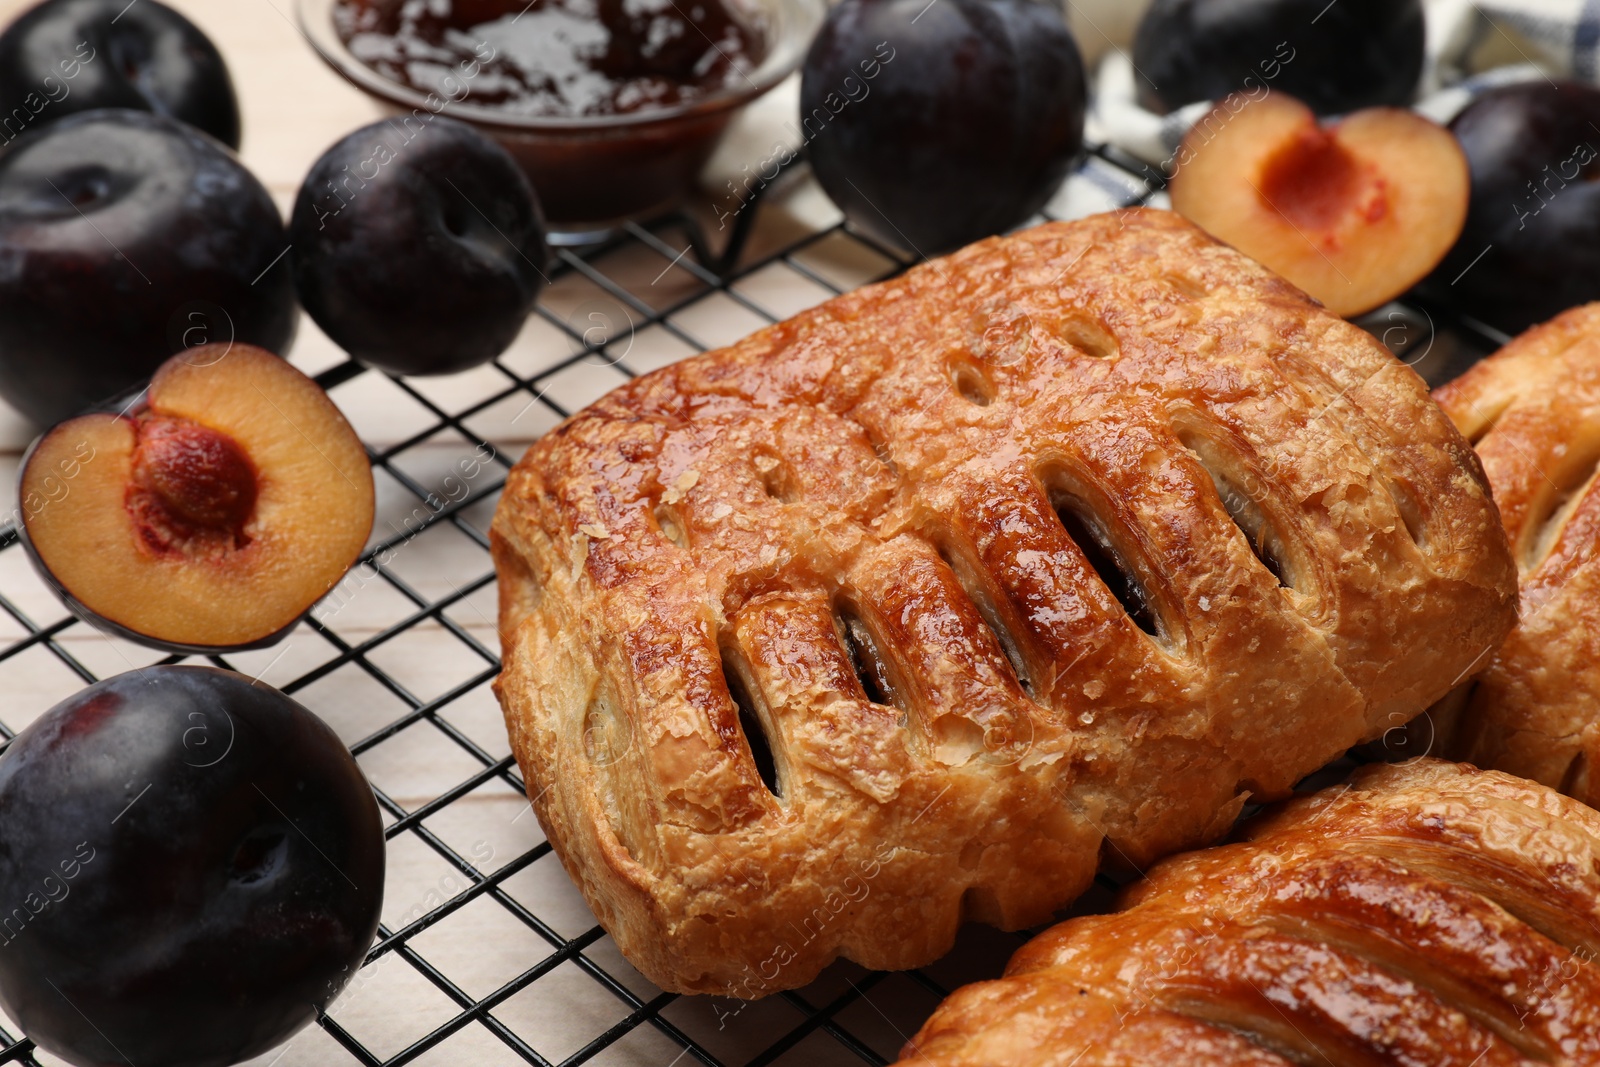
(294, 107)
(552, 1001)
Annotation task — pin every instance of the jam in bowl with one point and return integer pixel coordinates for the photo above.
(611, 106)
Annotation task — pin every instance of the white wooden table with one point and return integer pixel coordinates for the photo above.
(294, 107)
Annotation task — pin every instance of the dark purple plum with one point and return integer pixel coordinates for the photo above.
(1334, 58)
(1531, 245)
(191, 865)
(66, 56)
(935, 125)
(124, 238)
(419, 246)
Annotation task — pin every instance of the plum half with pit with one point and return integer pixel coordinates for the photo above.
(191, 866)
(419, 246)
(1333, 57)
(65, 56)
(125, 237)
(935, 125)
(1355, 211)
(1531, 245)
(212, 515)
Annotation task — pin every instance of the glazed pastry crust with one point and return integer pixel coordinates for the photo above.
(883, 475)
(1534, 410)
(1423, 913)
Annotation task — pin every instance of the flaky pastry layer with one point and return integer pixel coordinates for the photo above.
(1533, 409)
(909, 609)
(1423, 913)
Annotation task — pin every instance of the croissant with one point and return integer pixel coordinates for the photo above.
(909, 609)
(1533, 409)
(1423, 913)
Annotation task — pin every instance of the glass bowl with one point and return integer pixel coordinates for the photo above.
(594, 172)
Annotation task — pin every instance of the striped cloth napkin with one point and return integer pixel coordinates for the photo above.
(1472, 45)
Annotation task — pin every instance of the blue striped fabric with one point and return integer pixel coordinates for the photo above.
(1544, 38)
(1586, 40)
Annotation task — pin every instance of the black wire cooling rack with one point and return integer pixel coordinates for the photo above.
(565, 996)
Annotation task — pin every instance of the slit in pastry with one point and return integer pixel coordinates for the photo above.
(1266, 541)
(1545, 524)
(871, 666)
(983, 599)
(1094, 540)
(752, 724)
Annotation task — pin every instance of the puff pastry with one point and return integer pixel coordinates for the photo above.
(1533, 409)
(908, 609)
(1424, 913)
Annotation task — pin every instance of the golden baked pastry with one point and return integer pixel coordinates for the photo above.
(908, 609)
(1424, 913)
(1533, 409)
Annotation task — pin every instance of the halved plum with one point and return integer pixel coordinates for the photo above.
(1355, 213)
(212, 515)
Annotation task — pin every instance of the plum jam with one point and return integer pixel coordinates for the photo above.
(556, 58)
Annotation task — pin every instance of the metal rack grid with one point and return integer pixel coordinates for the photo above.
(575, 1000)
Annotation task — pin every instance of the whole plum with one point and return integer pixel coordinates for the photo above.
(419, 248)
(935, 125)
(191, 866)
(1531, 245)
(125, 237)
(65, 56)
(1334, 58)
